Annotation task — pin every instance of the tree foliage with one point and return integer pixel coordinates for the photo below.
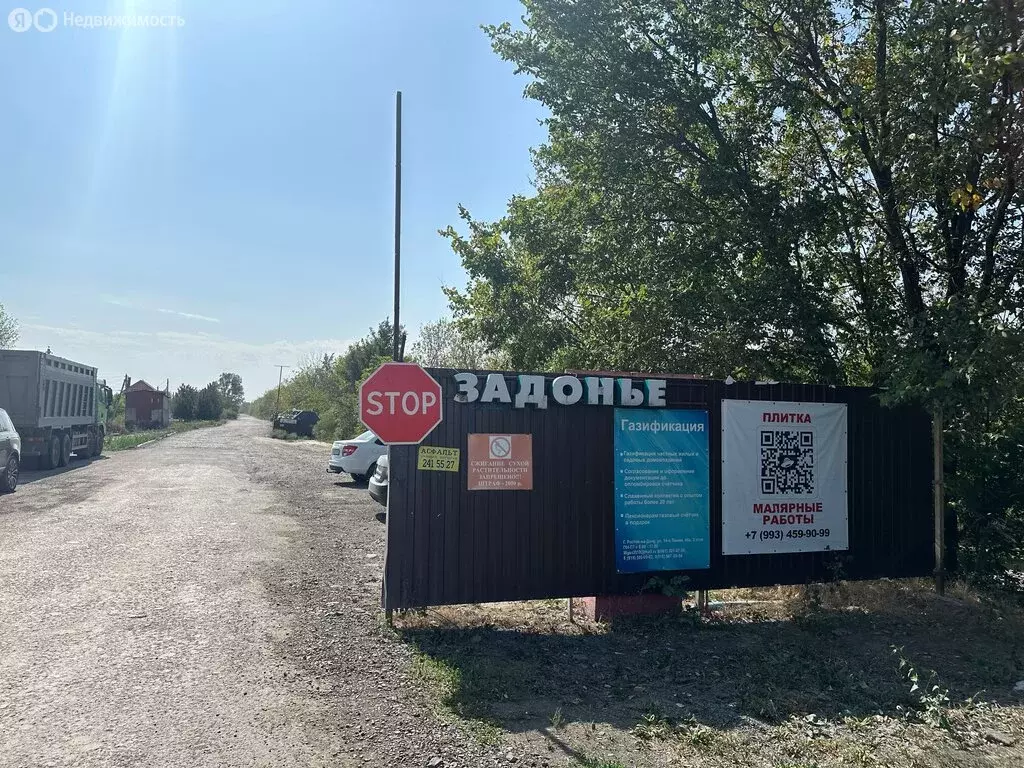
(329, 385)
(231, 391)
(824, 190)
(184, 404)
(209, 403)
(442, 344)
(8, 329)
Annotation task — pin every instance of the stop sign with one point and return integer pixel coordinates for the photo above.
(401, 403)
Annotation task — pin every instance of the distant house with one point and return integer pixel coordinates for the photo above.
(146, 407)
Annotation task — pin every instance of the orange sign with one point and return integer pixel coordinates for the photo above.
(501, 462)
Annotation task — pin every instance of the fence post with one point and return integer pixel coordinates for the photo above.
(940, 505)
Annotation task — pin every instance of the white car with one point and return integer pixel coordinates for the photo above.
(357, 456)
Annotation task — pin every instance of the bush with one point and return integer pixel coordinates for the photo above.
(185, 403)
(209, 403)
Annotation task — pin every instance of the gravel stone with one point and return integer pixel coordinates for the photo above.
(205, 601)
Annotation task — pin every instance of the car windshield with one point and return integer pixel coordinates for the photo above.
(367, 435)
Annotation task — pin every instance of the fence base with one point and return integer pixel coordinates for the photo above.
(608, 607)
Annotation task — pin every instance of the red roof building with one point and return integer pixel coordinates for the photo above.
(146, 407)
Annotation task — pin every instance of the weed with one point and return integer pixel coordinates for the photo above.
(557, 719)
(699, 736)
(933, 703)
(596, 762)
(857, 754)
(135, 439)
(653, 727)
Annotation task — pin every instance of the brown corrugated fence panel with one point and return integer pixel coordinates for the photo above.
(446, 544)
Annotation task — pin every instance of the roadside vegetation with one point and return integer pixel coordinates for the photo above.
(127, 440)
(217, 401)
(862, 674)
(8, 329)
(220, 399)
(816, 192)
(329, 384)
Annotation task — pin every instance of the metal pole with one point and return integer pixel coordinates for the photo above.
(396, 353)
(280, 378)
(940, 505)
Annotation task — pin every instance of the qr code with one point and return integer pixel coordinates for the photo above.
(787, 462)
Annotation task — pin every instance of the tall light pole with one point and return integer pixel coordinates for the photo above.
(280, 378)
(396, 352)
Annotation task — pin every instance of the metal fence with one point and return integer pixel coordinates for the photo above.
(448, 545)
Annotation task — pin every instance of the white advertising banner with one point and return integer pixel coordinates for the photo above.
(783, 477)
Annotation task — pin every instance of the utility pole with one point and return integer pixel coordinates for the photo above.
(280, 378)
(396, 328)
(396, 352)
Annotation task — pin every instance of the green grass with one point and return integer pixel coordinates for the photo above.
(133, 439)
(447, 683)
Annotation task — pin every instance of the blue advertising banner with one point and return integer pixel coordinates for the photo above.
(662, 505)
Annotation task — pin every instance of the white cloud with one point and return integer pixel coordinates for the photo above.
(189, 315)
(131, 304)
(193, 358)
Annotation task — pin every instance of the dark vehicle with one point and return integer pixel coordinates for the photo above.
(297, 422)
(379, 481)
(10, 453)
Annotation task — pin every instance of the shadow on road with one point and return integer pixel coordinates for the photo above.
(29, 474)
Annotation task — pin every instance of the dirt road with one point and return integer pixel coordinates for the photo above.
(210, 600)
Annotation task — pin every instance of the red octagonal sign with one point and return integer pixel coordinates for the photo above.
(401, 403)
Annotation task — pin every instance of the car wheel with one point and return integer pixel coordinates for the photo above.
(65, 451)
(51, 460)
(9, 478)
(371, 471)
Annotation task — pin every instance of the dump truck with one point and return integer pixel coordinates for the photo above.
(58, 406)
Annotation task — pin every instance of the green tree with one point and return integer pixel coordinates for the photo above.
(8, 329)
(231, 391)
(822, 191)
(375, 345)
(184, 404)
(209, 404)
(443, 344)
(329, 384)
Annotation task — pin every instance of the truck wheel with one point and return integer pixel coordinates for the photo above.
(65, 451)
(9, 475)
(51, 460)
(99, 444)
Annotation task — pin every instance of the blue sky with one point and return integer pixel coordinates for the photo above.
(179, 201)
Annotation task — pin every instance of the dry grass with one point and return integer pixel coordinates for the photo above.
(788, 676)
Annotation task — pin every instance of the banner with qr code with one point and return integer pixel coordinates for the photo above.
(783, 477)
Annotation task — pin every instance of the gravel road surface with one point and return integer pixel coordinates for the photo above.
(209, 600)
